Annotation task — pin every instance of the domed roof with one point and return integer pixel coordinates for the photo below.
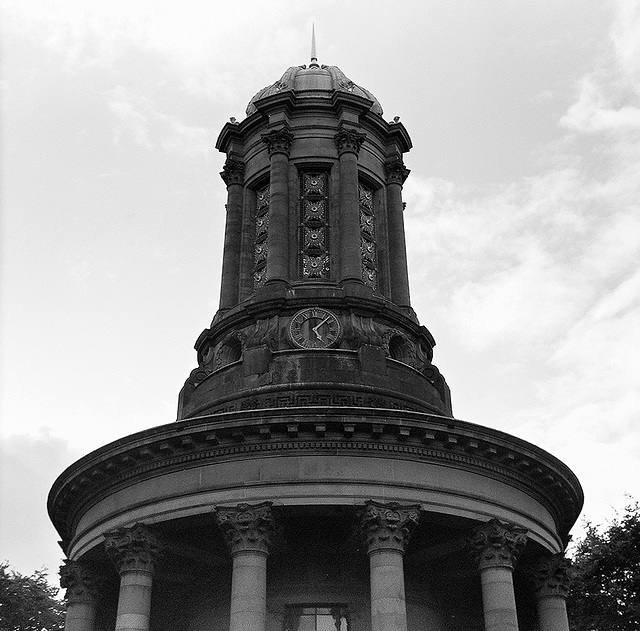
(314, 78)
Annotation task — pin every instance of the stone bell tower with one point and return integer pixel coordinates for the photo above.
(316, 478)
(314, 304)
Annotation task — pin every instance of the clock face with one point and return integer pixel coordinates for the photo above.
(314, 328)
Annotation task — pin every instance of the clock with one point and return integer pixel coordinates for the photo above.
(314, 328)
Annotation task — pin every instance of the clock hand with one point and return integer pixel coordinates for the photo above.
(315, 328)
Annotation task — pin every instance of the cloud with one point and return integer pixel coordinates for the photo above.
(137, 116)
(29, 466)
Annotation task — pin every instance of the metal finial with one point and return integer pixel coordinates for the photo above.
(314, 58)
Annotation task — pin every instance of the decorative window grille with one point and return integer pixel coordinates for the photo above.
(368, 237)
(317, 618)
(262, 228)
(314, 226)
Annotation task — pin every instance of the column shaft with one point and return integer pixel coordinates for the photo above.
(498, 599)
(278, 236)
(388, 608)
(232, 241)
(134, 601)
(552, 613)
(397, 246)
(350, 256)
(81, 616)
(249, 591)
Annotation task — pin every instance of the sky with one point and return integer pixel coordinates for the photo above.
(522, 218)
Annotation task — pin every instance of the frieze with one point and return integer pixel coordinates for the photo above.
(497, 544)
(210, 441)
(81, 582)
(133, 549)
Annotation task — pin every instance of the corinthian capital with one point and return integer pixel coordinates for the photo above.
(396, 172)
(80, 581)
(349, 140)
(278, 140)
(388, 526)
(232, 172)
(497, 544)
(135, 548)
(551, 576)
(247, 526)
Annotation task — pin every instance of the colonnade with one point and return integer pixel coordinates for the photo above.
(386, 529)
(280, 267)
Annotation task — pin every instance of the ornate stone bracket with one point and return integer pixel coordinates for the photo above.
(278, 140)
(82, 583)
(551, 576)
(247, 527)
(349, 140)
(497, 544)
(133, 549)
(232, 172)
(388, 526)
(396, 172)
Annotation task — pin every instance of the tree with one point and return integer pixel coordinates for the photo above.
(605, 595)
(28, 603)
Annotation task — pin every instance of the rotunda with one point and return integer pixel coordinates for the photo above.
(316, 478)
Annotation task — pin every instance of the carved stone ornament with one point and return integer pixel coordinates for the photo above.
(278, 141)
(551, 576)
(80, 581)
(349, 140)
(388, 526)
(497, 544)
(232, 172)
(135, 548)
(396, 172)
(247, 527)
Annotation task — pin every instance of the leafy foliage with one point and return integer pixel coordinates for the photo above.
(605, 595)
(28, 603)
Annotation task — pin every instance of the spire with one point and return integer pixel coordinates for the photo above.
(314, 58)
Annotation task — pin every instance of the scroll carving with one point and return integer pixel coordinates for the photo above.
(278, 140)
(552, 576)
(396, 172)
(349, 140)
(388, 526)
(135, 548)
(247, 527)
(82, 583)
(232, 172)
(497, 544)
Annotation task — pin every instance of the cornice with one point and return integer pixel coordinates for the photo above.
(315, 429)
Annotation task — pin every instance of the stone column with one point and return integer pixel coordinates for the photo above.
(82, 585)
(387, 529)
(134, 552)
(496, 546)
(278, 144)
(248, 530)
(348, 142)
(551, 578)
(399, 282)
(233, 176)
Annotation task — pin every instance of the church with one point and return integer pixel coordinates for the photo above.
(316, 478)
